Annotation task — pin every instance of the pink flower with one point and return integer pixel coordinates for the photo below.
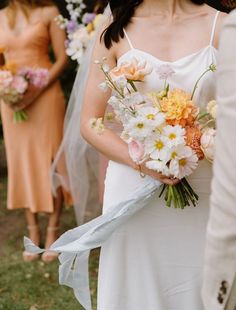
(19, 84)
(40, 78)
(37, 77)
(136, 151)
(5, 79)
(208, 143)
(165, 71)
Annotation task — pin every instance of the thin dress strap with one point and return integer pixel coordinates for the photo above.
(128, 39)
(214, 28)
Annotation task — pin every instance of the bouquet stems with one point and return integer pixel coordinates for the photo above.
(180, 195)
(20, 116)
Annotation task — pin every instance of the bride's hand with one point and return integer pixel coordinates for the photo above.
(158, 176)
(29, 97)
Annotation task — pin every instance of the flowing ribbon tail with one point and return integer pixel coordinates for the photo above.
(75, 245)
(31, 247)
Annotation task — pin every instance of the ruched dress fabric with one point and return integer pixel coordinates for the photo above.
(154, 261)
(32, 145)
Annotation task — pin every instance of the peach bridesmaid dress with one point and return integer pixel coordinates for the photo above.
(32, 145)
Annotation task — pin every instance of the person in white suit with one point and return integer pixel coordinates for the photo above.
(219, 284)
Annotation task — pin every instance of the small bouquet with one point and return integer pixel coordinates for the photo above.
(80, 28)
(15, 83)
(164, 129)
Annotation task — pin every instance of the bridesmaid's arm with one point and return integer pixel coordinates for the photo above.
(94, 106)
(58, 37)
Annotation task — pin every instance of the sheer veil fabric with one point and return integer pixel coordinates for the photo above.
(75, 157)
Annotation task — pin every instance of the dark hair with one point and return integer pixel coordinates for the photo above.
(123, 11)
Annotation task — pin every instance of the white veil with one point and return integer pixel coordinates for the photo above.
(75, 160)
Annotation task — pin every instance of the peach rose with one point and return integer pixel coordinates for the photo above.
(134, 71)
(208, 143)
(193, 139)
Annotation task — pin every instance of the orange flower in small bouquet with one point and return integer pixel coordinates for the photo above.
(163, 129)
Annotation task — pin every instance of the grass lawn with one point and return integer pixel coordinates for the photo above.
(32, 286)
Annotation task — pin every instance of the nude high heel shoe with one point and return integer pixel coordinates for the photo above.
(27, 256)
(49, 256)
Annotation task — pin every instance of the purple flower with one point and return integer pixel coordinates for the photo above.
(66, 43)
(71, 26)
(165, 71)
(88, 18)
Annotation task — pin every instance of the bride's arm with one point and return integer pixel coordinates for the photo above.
(94, 106)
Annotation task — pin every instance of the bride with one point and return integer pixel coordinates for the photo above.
(151, 255)
(154, 260)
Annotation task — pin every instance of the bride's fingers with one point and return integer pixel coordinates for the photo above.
(169, 181)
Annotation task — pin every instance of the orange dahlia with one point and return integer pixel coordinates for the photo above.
(179, 108)
(193, 139)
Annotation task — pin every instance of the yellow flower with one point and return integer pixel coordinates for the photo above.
(179, 108)
(212, 108)
(10, 66)
(90, 28)
(99, 20)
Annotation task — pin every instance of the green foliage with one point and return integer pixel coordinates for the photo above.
(33, 286)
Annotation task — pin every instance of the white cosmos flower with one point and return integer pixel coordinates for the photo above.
(153, 115)
(159, 166)
(133, 100)
(183, 162)
(175, 135)
(138, 128)
(157, 148)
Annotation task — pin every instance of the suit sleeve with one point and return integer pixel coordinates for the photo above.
(220, 258)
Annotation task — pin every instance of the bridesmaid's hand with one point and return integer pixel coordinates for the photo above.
(29, 97)
(158, 176)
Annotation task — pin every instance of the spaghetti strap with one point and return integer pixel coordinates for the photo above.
(214, 27)
(128, 39)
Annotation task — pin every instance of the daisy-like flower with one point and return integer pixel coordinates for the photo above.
(138, 128)
(159, 166)
(157, 147)
(174, 135)
(134, 100)
(97, 124)
(153, 116)
(183, 161)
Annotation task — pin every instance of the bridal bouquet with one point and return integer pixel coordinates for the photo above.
(80, 28)
(15, 83)
(164, 129)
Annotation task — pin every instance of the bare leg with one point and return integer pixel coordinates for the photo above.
(54, 220)
(53, 228)
(34, 234)
(33, 227)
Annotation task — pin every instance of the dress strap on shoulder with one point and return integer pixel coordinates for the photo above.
(128, 39)
(214, 27)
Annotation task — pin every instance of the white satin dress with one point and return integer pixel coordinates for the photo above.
(154, 261)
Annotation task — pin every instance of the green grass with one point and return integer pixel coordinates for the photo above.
(33, 286)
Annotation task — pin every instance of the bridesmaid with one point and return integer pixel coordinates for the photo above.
(27, 30)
